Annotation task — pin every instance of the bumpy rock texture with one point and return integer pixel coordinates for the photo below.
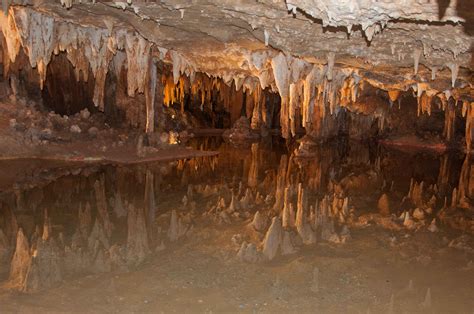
(318, 55)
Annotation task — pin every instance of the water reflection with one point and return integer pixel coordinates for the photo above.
(103, 218)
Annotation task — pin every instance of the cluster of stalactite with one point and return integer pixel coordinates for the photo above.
(201, 92)
(312, 95)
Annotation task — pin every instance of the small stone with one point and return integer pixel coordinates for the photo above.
(13, 123)
(85, 114)
(75, 129)
(164, 137)
(93, 131)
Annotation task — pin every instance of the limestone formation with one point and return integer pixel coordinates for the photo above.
(259, 222)
(137, 239)
(21, 261)
(302, 226)
(273, 239)
(383, 205)
(248, 253)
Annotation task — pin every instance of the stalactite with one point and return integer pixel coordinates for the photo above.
(449, 122)
(138, 53)
(416, 59)
(330, 66)
(282, 76)
(150, 92)
(314, 77)
(36, 33)
(454, 67)
(292, 106)
(393, 95)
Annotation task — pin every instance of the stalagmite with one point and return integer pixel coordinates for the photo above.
(248, 253)
(408, 222)
(273, 239)
(432, 227)
(233, 206)
(21, 261)
(177, 228)
(287, 247)
(259, 222)
(150, 91)
(173, 232)
(303, 228)
(427, 301)
(383, 205)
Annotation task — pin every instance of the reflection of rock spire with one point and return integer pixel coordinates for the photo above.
(99, 188)
(21, 261)
(137, 239)
(150, 203)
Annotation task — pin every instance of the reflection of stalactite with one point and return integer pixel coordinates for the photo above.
(468, 112)
(99, 188)
(150, 203)
(280, 183)
(137, 239)
(465, 189)
(444, 173)
(449, 119)
(253, 172)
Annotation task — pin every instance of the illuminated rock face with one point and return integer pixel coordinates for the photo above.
(321, 57)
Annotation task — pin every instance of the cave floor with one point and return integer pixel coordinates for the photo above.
(201, 275)
(27, 133)
(380, 268)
